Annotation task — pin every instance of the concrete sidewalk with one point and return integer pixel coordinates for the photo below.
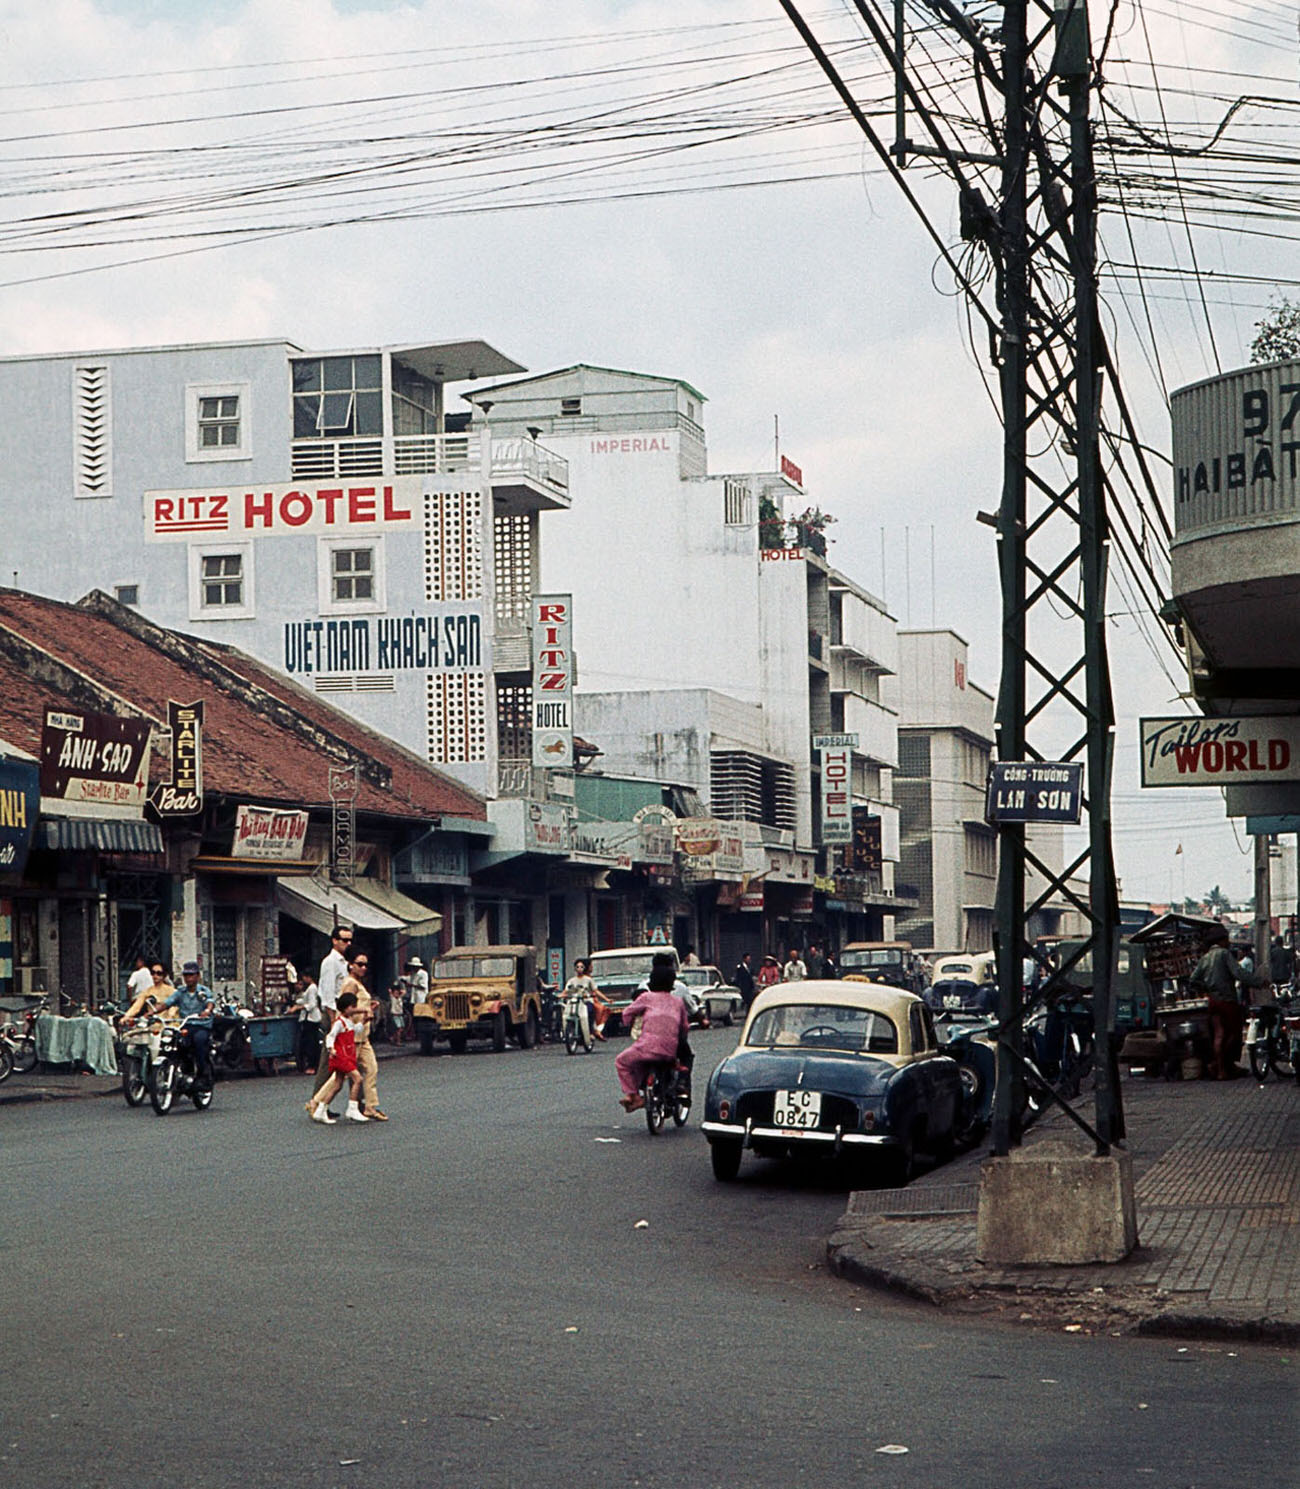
(61, 1083)
(1217, 1182)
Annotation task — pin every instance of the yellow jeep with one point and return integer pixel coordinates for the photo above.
(481, 992)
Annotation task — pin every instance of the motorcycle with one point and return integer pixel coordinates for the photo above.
(230, 1041)
(575, 1022)
(666, 1091)
(175, 1071)
(137, 1049)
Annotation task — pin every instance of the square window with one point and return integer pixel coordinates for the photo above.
(350, 575)
(126, 594)
(216, 423)
(222, 580)
(354, 574)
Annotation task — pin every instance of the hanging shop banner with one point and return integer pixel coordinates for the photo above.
(94, 757)
(320, 508)
(710, 849)
(444, 638)
(552, 628)
(343, 835)
(1220, 751)
(266, 832)
(865, 853)
(183, 797)
(836, 751)
(20, 802)
(1035, 791)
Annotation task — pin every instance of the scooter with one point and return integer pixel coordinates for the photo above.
(230, 1041)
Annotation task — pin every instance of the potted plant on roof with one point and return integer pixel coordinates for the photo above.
(808, 529)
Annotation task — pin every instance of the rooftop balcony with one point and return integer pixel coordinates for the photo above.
(526, 476)
(1236, 548)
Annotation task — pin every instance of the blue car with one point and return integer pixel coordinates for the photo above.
(837, 1068)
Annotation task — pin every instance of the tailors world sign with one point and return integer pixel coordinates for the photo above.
(1220, 751)
(283, 511)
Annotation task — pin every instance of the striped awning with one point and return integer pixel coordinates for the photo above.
(104, 834)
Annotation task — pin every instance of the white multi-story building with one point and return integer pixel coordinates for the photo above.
(686, 580)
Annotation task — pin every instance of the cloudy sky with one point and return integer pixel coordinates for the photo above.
(573, 181)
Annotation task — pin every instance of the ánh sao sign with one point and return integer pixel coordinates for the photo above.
(1220, 751)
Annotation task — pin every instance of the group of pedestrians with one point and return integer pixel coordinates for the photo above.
(346, 1012)
(815, 963)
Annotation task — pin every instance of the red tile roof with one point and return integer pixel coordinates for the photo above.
(265, 739)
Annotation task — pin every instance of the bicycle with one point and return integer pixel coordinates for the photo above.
(1268, 1040)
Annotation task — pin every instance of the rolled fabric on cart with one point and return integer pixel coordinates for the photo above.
(79, 1041)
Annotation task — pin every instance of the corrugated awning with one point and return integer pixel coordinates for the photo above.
(323, 906)
(106, 834)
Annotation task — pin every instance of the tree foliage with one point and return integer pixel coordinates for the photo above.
(1277, 332)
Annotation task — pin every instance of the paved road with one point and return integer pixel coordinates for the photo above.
(463, 1297)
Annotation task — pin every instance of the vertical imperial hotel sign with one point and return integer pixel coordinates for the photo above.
(836, 751)
(552, 626)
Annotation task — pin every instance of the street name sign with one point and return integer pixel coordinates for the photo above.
(1035, 791)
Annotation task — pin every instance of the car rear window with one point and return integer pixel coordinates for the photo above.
(825, 1026)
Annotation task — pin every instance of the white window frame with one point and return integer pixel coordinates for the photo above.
(325, 601)
(193, 393)
(198, 610)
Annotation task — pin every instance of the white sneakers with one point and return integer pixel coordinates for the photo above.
(355, 1114)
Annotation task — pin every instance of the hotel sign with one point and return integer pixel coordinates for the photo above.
(836, 751)
(317, 508)
(552, 627)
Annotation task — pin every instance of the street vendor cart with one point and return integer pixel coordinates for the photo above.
(271, 1038)
(1177, 1043)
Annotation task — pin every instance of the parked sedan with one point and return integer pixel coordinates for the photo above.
(837, 1068)
(713, 996)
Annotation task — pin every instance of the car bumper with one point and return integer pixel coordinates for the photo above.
(749, 1133)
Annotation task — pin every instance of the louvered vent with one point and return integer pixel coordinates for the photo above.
(92, 419)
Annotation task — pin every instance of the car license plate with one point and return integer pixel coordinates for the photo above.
(800, 1109)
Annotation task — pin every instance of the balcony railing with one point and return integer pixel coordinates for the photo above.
(426, 455)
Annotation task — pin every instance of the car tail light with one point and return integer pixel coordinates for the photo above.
(868, 1119)
(724, 1110)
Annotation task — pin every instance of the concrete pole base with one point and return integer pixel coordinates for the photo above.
(1052, 1204)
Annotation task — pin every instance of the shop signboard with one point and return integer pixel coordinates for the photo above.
(836, 752)
(343, 823)
(20, 803)
(268, 832)
(865, 853)
(551, 619)
(710, 849)
(751, 900)
(183, 795)
(1239, 751)
(613, 840)
(94, 757)
(548, 828)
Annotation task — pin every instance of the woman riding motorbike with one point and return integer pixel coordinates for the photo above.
(664, 1030)
(582, 984)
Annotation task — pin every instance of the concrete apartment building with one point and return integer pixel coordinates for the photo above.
(687, 580)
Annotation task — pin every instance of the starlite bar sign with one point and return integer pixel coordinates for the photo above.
(1035, 791)
(183, 795)
(1220, 752)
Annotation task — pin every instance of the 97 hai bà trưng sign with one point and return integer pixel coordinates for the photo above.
(1035, 791)
(1240, 751)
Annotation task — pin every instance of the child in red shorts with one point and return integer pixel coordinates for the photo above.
(341, 1045)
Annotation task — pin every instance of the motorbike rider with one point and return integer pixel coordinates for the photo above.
(664, 1032)
(193, 1000)
(595, 1006)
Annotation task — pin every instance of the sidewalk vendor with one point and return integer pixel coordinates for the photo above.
(1218, 974)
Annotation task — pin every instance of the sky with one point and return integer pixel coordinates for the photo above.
(814, 308)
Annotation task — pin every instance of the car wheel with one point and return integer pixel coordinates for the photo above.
(725, 1155)
(901, 1164)
(727, 1019)
(426, 1037)
(528, 1029)
(458, 1042)
(500, 1027)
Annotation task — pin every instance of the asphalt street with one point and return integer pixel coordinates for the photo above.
(512, 1283)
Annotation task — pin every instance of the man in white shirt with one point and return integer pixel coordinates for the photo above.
(333, 969)
(140, 981)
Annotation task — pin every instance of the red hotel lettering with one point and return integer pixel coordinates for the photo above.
(554, 681)
(331, 496)
(295, 508)
(361, 503)
(552, 657)
(254, 508)
(552, 613)
(393, 513)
